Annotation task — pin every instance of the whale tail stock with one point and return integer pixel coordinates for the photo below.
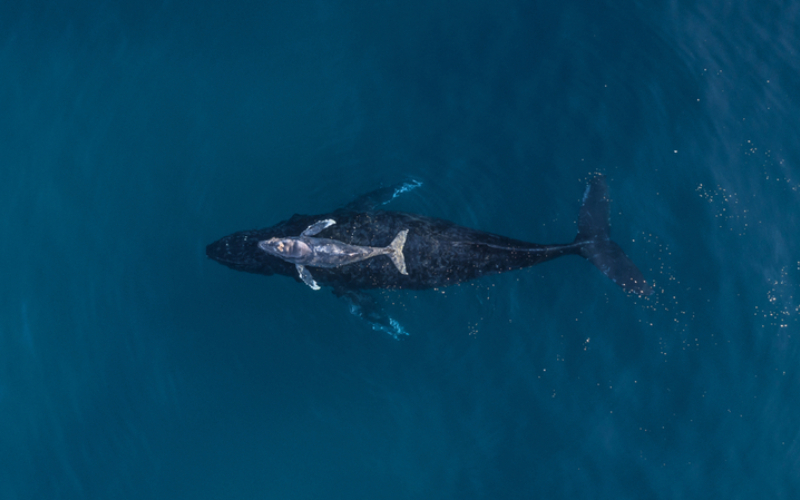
(596, 245)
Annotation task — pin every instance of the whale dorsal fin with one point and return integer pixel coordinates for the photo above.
(317, 227)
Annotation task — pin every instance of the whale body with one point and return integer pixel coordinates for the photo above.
(438, 253)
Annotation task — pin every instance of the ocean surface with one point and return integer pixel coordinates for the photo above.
(133, 134)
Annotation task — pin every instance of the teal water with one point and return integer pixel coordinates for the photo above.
(131, 366)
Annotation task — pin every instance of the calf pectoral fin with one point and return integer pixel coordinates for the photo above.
(396, 253)
(317, 227)
(305, 275)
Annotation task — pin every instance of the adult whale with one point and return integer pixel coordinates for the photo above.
(437, 253)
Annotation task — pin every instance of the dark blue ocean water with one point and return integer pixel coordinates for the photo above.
(134, 134)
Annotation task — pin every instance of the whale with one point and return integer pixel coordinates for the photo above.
(435, 253)
(307, 250)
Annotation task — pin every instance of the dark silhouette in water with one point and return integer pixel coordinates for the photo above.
(437, 253)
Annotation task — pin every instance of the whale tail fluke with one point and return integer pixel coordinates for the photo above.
(596, 245)
(395, 251)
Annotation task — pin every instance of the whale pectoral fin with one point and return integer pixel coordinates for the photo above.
(305, 275)
(375, 199)
(366, 306)
(317, 227)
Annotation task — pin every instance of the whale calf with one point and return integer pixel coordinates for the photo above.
(435, 252)
(306, 250)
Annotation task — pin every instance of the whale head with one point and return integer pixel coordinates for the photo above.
(289, 249)
(240, 251)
